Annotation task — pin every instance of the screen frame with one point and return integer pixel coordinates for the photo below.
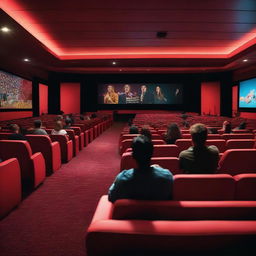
(240, 109)
(18, 109)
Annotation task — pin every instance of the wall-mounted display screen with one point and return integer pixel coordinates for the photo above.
(135, 93)
(247, 94)
(15, 92)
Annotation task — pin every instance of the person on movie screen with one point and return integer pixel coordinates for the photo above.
(126, 95)
(111, 97)
(146, 97)
(159, 96)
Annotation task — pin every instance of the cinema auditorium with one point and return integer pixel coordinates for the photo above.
(127, 128)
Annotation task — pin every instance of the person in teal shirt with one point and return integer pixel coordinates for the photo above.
(145, 182)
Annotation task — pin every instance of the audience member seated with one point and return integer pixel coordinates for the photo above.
(58, 129)
(199, 158)
(173, 133)
(241, 126)
(68, 123)
(227, 127)
(59, 118)
(16, 135)
(133, 130)
(71, 117)
(146, 132)
(38, 128)
(146, 182)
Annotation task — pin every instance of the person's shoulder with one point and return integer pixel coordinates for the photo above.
(162, 172)
(213, 149)
(125, 174)
(186, 152)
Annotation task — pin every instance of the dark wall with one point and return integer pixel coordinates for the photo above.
(191, 83)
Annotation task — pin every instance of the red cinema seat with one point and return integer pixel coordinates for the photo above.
(4, 135)
(10, 186)
(220, 144)
(240, 143)
(230, 136)
(203, 187)
(186, 136)
(237, 161)
(32, 166)
(66, 147)
(80, 135)
(245, 186)
(214, 137)
(91, 131)
(241, 131)
(183, 144)
(49, 149)
(75, 139)
(86, 137)
(166, 151)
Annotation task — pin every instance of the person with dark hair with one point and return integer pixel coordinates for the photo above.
(38, 128)
(173, 133)
(199, 158)
(226, 127)
(146, 97)
(133, 130)
(146, 132)
(241, 126)
(68, 123)
(16, 135)
(144, 182)
(159, 97)
(59, 118)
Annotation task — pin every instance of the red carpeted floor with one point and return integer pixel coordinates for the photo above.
(53, 219)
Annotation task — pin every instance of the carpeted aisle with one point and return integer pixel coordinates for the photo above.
(53, 220)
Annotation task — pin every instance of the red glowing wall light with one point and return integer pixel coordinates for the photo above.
(13, 9)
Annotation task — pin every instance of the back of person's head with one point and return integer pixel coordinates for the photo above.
(14, 128)
(199, 134)
(173, 131)
(68, 121)
(61, 112)
(227, 127)
(58, 126)
(142, 151)
(242, 125)
(81, 117)
(93, 115)
(37, 123)
(146, 132)
(133, 130)
(59, 118)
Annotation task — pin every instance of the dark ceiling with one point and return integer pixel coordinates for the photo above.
(87, 35)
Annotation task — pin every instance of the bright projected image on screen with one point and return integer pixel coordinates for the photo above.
(15, 92)
(124, 93)
(247, 94)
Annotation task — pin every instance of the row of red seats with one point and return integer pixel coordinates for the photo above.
(207, 213)
(32, 160)
(233, 161)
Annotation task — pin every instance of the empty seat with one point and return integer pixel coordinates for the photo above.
(32, 166)
(50, 150)
(203, 187)
(229, 136)
(165, 151)
(10, 185)
(75, 139)
(4, 135)
(183, 144)
(240, 143)
(80, 135)
(66, 147)
(245, 186)
(236, 161)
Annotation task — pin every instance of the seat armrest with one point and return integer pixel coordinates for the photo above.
(38, 163)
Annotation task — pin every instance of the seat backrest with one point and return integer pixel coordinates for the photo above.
(214, 137)
(220, 144)
(237, 161)
(229, 136)
(183, 144)
(245, 186)
(165, 151)
(240, 143)
(21, 150)
(127, 161)
(170, 163)
(4, 135)
(126, 209)
(203, 187)
(76, 129)
(186, 136)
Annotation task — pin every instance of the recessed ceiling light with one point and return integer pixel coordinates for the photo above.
(120, 70)
(5, 29)
(26, 60)
(245, 60)
(114, 63)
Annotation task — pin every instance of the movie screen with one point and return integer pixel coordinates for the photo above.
(247, 94)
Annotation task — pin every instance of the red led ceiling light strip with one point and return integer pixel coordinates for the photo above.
(29, 23)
